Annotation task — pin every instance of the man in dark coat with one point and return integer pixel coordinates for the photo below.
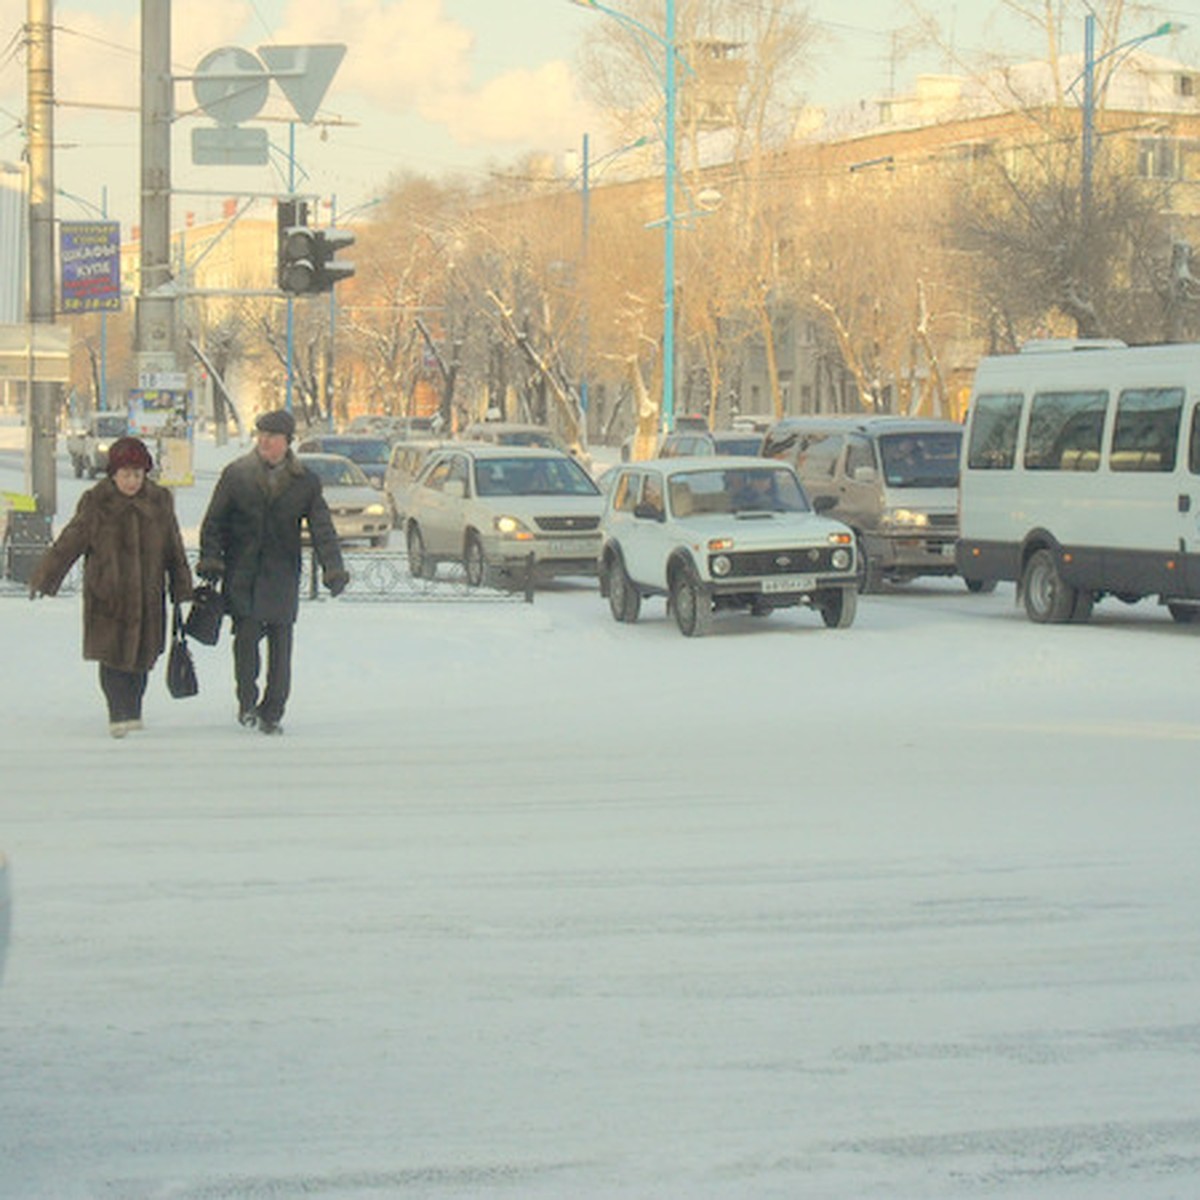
(250, 539)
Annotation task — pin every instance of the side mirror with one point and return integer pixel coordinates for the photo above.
(863, 475)
(455, 488)
(823, 504)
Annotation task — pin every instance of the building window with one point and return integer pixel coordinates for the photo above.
(1157, 158)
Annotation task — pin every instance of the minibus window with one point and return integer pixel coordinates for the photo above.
(994, 425)
(1194, 443)
(1147, 429)
(1065, 429)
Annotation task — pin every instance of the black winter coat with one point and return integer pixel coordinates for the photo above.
(251, 536)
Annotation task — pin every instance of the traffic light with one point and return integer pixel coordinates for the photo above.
(298, 251)
(306, 255)
(330, 272)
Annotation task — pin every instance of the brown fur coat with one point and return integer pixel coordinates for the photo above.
(132, 548)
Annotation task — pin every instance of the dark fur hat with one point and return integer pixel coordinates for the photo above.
(128, 452)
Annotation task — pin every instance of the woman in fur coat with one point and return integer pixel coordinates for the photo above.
(126, 531)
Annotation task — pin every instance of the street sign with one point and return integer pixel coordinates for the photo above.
(89, 255)
(230, 85)
(37, 353)
(229, 146)
(303, 73)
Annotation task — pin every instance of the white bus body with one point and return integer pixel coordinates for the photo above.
(1081, 476)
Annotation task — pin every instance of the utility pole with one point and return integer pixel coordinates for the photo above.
(43, 397)
(154, 337)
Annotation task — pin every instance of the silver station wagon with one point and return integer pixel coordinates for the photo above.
(503, 509)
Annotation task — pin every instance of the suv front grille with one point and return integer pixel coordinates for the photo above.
(947, 521)
(802, 560)
(567, 524)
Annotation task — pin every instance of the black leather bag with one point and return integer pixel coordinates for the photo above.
(181, 671)
(204, 619)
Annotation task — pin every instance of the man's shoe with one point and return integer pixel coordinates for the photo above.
(248, 717)
(119, 729)
(134, 725)
(265, 726)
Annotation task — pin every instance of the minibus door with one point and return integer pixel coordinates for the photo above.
(1188, 505)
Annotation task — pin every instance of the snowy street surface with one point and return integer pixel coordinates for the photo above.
(529, 904)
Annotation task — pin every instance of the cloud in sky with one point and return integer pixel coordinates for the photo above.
(405, 58)
(407, 55)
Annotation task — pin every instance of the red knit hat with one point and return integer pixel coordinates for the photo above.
(128, 452)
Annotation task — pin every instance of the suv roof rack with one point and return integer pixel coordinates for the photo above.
(1054, 345)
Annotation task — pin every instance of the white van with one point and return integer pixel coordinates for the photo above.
(1081, 476)
(892, 479)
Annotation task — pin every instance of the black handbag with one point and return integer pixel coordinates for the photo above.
(204, 619)
(181, 671)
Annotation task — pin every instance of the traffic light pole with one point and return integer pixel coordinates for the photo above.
(42, 432)
(291, 304)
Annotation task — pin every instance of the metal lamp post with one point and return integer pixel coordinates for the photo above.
(333, 220)
(666, 42)
(1090, 62)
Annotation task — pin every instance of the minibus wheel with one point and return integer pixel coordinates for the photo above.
(1049, 600)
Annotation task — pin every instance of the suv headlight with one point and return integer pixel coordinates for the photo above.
(840, 559)
(722, 564)
(906, 517)
(513, 527)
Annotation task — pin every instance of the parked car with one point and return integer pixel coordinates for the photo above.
(404, 465)
(723, 441)
(369, 451)
(492, 507)
(721, 532)
(359, 513)
(510, 433)
(88, 445)
(892, 479)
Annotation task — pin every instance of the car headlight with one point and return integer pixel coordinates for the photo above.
(840, 559)
(102, 447)
(906, 517)
(375, 510)
(722, 565)
(512, 527)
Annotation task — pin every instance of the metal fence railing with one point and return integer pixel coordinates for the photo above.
(375, 575)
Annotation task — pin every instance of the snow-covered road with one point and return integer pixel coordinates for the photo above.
(526, 903)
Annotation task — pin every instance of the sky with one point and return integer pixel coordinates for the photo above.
(529, 903)
(427, 85)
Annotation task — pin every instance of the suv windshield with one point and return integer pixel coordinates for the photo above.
(364, 450)
(740, 490)
(111, 427)
(532, 477)
(921, 459)
(336, 472)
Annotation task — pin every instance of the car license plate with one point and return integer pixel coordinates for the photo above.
(572, 549)
(788, 583)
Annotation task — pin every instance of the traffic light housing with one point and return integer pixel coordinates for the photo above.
(298, 254)
(306, 263)
(330, 271)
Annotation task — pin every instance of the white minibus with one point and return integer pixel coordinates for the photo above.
(1081, 476)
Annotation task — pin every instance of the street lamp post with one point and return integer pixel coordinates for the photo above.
(1088, 123)
(666, 41)
(333, 311)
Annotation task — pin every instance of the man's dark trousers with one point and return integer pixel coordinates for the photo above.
(247, 633)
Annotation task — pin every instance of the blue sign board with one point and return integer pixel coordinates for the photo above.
(90, 258)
